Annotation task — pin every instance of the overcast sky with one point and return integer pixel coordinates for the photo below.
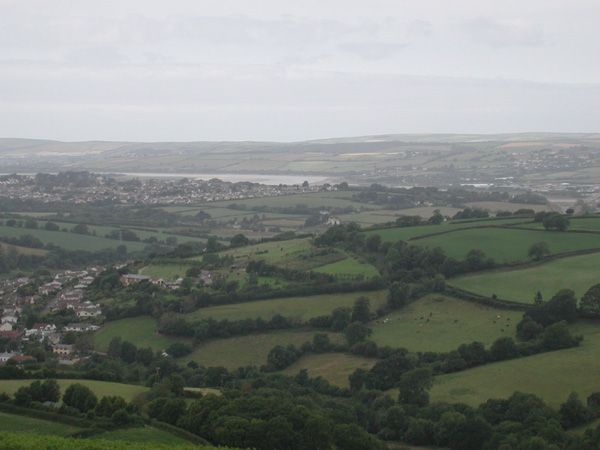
(287, 70)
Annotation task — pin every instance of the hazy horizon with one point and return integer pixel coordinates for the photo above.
(148, 71)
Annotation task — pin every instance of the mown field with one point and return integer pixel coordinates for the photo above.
(407, 233)
(23, 424)
(576, 223)
(140, 331)
(146, 434)
(100, 388)
(71, 241)
(505, 245)
(576, 272)
(251, 350)
(299, 308)
(333, 367)
(23, 250)
(552, 376)
(440, 323)
(349, 266)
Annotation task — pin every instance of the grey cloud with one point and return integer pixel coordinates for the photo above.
(517, 32)
(419, 28)
(372, 50)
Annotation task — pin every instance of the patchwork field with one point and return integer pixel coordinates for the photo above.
(23, 250)
(23, 424)
(251, 350)
(146, 434)
(70, 241)
(100, 388)
(505, 245)
(140, 331)
(300, 308)
(333, 367)
(587, 224)
(407, 233)
(349, 266)
(552, 376)
(576, 272)
(441, 323)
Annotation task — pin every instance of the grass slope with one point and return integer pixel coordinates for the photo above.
(24, 424)
(552, 376)
(333, 367)
(505, 245)
(146, 434)
(100, 388)
(300, 308)
(137, 330)
(453, 322)
(576, 272)
(349, 266)
(251, 350)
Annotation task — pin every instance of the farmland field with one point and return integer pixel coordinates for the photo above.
(349, 266)
(100, 388)
(167, 272)
(576, 272)
(299, 308)
(23, 250)
(552, 376)
(138, 330)
(333, 367)
(505, 245)
(71, 241)
(24, 424)
(250, 350)
(407, 233)
(441, 323)
(587, 224)
(146, 434)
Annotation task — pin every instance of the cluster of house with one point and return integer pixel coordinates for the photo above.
(205, 277)
(64, 292)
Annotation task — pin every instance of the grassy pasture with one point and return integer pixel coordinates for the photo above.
(505, 206)
(146, 434)
(576, 272)
(137, 330)
(333, 367)
(452, 322)
(505, 245)
(407, 233)
(24, 424)
(312, 200)
(349, 266)
(100, 388)
(251, 350)
(70, 241)
(587, 224)
(300, 308)
(23, 250)
(552, 376)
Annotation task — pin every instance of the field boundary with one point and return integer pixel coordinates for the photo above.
(472, 297)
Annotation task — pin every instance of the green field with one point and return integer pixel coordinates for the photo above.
(70, 241)
(25, 424)
(333, 367)
(23, 250)
(146, 434)
(407, 233)
(576, 272)
(552, 376)
(100, 388)
(587, 224)
(251, 350)
(505, 245)
(140, 331)
(299, 308)
(349, 266)
(441, 323)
